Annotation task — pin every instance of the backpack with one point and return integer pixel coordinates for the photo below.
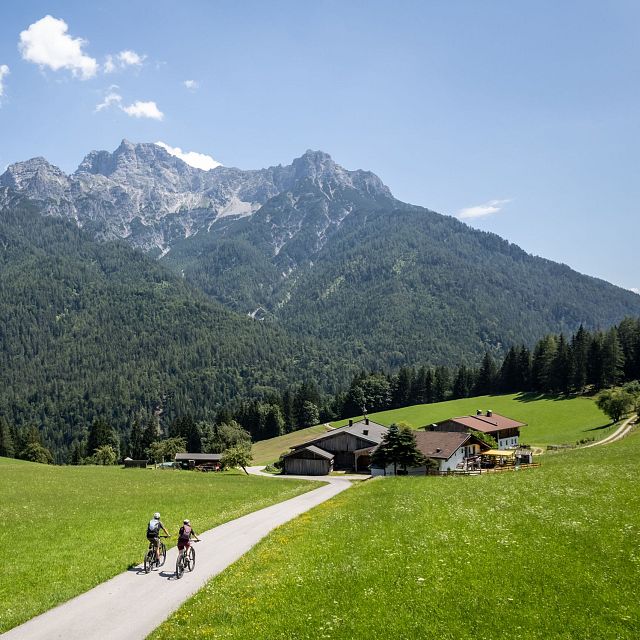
(153, 527)
(185, 532)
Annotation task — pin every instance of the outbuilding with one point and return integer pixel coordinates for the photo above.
(210, 461)
(308, 461)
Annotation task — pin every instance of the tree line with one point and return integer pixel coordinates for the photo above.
(586, 361)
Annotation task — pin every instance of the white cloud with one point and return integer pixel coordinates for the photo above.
(635, 290)
(109, 64)
(4, 71)
(112, 98)
(126, 58)
(193, 158)
(140, 109)
(481, 210)
(130, 58)
(47, 43)
(192, 85)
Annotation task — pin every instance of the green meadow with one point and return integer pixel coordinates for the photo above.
(549, 419)
(266, 451)
(547, 553)
(67, 529)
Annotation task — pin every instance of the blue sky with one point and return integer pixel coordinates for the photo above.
(522, 116)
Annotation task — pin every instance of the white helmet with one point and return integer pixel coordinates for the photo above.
(156, 516)
(185, 522)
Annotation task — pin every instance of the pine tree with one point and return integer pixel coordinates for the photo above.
(612, 358)
(7, 449)
(428, 387)
(508, 376)
(595, 363)
(150, 434)
(524, 369)
(398, 447)
(418, 395)
(137, 449)
(102, 434)
(561, 367)
(486, 382)
(402, 387)
(461, 384)
(579, 358)
(441, 384)
(541, 366)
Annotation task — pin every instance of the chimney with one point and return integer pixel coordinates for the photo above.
(489, 413)
(366, 420)
(350, 422)
(478, 412)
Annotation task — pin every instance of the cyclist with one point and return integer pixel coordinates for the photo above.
(153, 533)
(184, 535)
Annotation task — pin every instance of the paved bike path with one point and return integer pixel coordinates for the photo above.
(131, 605)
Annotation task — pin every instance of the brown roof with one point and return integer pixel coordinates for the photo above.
(315, 450)
(487, 424)
(443, 444)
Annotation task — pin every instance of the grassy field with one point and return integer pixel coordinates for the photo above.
(550, 420)
(66, 529)
(548, 553)
(267, 451)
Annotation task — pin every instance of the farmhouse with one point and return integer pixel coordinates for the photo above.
(450, 450)
(505, 430)
(350, 448)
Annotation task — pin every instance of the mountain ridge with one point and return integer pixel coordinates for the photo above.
(148, 197)
(326, 252)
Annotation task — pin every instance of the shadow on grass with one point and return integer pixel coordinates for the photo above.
(604, 426)
(531, 396)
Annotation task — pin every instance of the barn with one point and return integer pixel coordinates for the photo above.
(308, 461)
(351, 445)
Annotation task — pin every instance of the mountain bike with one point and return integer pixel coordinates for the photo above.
(152, 560)
(186, 560)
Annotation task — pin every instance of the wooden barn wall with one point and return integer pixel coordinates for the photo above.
(306, 467)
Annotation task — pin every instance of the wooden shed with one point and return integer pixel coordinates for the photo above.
(308, 461)
(208, 461)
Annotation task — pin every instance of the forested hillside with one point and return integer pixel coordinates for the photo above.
(99, 330)
(395, 284)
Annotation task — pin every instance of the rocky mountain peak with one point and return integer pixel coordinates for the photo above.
(37, 176)
(132, 159)
(321, 169)
(142, 193)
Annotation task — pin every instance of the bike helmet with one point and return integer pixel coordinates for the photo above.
(185, 522)
(156, 516)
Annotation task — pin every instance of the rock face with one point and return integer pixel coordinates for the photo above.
(152, 199)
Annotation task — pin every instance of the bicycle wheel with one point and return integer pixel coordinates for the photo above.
(149, 560)
(163, 554)
(180, 564)
(191, 559)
